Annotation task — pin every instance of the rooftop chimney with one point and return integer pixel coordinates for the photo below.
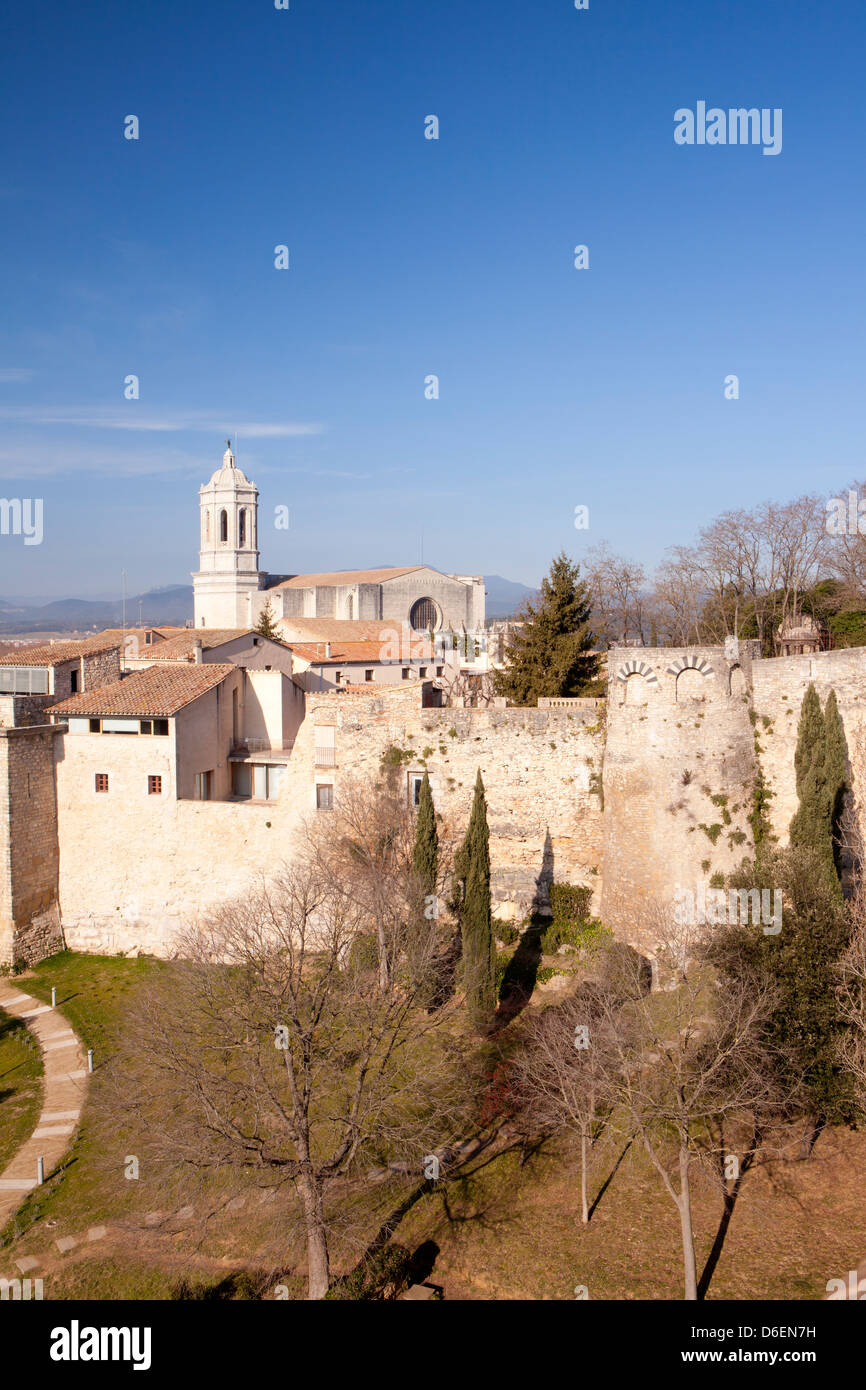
(327, 651)
(197, 652)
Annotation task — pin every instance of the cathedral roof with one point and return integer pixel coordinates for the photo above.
(336, 578)
(157, 692)
(335, 629)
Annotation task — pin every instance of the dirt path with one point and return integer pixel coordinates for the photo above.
(64, 1083)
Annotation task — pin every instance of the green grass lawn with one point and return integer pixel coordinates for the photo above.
(20, 1085)
(91, 991)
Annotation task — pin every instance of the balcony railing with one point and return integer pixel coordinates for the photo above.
(261, 745)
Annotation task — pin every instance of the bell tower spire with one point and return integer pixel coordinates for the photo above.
(228, 572)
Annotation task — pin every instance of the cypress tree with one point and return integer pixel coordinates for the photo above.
(479, 952)
(804, 1024)
(835, 772)
(819, 765)
(809, 825)
(425, 854)
(550, 655)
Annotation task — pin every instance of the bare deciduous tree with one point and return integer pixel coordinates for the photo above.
(617, 595)
(273, 1049)
(562, 1074)
(683, 1058)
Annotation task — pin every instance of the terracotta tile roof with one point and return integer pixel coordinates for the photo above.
(157, 692)
(181, 647)
(55, 653)
(339, 577)
(341, 652)
(336, 629)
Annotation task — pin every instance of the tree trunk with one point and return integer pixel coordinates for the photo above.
(318, 1269)
(684, 1203)
(383, 955)
(810, 1134)
(584, 1208)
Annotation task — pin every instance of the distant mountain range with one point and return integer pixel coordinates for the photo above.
(504, 597)
(173, 607)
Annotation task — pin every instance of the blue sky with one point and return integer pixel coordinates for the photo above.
(409, 257)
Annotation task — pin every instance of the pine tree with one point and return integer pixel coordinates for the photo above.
(550, 655)
(266, 625)
(476, 925)
(425, 855)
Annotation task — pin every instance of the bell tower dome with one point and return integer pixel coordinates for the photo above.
(228, 573)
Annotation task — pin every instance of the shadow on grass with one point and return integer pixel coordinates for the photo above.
(729, 1198)
(609, 1179)
(521, 972)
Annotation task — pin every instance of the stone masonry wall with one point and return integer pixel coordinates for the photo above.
(638, 798)
(676, 738)
(779, 687)
(29, 859)
(133, 875)
(541, 771)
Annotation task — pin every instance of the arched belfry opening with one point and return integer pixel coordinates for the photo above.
(224, 526)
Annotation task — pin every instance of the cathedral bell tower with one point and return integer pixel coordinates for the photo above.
(228, 573)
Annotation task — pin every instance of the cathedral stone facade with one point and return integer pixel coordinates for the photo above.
(231, 591)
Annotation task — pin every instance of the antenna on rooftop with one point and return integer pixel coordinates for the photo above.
(123, 614)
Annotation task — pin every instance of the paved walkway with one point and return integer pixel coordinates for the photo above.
(64, 1083)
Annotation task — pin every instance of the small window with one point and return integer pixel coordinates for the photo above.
(368, 675)
(95, 726)
(405, 673)
(154, 786)
(101, 781)
(415, 780)
(324, 797)
(337, 677)
(145, 726)
(440, 670)
(160, 726)
(422, 671)
(255, 641)
(73, 682)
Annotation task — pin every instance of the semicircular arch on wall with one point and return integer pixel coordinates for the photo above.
(638, 681)
(690, 675)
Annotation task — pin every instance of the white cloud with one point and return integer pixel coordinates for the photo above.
(133, 418)
(39, 460)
